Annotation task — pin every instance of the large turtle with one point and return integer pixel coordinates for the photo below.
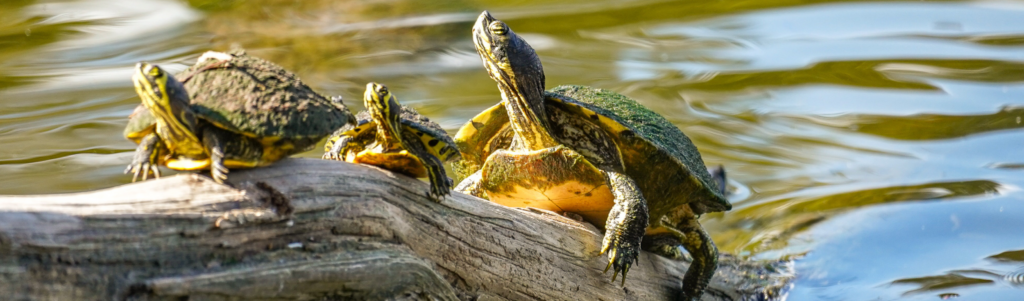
(235, 111)
(397, 138)
(592, 152)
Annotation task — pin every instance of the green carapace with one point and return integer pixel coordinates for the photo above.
(232, 111)
(592, 152)
(397, 138)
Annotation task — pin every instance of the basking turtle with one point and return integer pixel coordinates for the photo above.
(588, 151)
(235, 111)
(397, 138)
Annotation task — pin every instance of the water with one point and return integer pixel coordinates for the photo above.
(876, 143)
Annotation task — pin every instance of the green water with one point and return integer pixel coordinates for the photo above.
(876, 143)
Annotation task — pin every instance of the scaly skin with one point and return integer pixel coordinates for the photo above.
(626, 224)
(705, 257)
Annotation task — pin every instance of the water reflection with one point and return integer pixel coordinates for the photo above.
(1009, 270)
(876, 143)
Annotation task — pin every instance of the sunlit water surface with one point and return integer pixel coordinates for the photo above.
(876, 143)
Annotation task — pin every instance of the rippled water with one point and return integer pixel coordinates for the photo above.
(876, 143)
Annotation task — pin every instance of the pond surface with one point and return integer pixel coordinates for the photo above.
(876, 143)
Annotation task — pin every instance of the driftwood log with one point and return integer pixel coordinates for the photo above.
(307, 229)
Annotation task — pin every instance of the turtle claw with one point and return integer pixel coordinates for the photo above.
(219, 174)
(438, 192)
(440, 185)
(144, 161)
(142, 170)
(621, 256)
(330, 155)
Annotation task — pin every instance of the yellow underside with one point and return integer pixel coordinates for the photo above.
(593, 203)
(270, 155)
(400, 162)
(555, 179)
(190, 164)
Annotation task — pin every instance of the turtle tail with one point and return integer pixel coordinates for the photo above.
(718, 175)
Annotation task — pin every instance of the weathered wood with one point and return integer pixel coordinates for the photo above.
(306, 229)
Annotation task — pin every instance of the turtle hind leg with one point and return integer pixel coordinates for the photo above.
(667, 245)
(705, 257)
(626, 224)
(336, 147)
(215, 145)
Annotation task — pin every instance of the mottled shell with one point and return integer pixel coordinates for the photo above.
(258, 98)
(656, 154)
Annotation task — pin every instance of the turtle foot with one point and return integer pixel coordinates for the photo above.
(622, 254)
(440, 188)
(142, 169)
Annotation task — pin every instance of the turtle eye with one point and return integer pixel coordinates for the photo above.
(382, 89)
(498, 28)
(155, 71)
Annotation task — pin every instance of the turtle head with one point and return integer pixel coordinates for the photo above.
(167, 100)
(385, 110)
(517, 69)
(507, 57)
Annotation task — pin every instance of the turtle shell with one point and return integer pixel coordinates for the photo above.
(446, 150)
(257, 98)
(661, 159)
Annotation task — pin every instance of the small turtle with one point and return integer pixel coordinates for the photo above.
(397, 138)
(592, 152)
(235, 111)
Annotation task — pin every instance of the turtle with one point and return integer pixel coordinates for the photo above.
(397, 138)
(591, 152)
(234, 111)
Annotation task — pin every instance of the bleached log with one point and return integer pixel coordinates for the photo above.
(307, 229)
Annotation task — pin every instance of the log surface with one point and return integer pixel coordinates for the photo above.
(307, 229)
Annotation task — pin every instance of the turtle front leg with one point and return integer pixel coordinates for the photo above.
(440, 184)
(705, 256)
(626, 224)
(146, 158)
(336, 147)
(472, 185)
(215, 145)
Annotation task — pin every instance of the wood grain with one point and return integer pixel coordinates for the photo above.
(306, 229)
